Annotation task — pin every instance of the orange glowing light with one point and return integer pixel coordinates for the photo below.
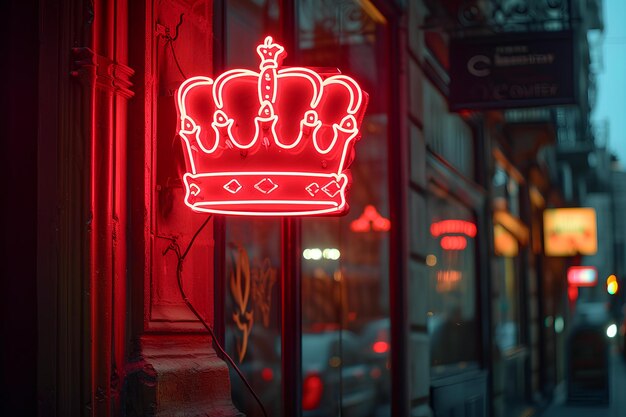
(611, 284)
(505, 243)
(448, 280)
(277, 142)
(370, 220)
(431, 260)
(570, 231)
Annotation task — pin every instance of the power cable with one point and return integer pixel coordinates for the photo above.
(175, 247)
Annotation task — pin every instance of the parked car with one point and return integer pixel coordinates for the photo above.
(262, 368)
(336, 377)
(375, 344)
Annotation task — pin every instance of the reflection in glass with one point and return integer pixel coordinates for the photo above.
(345, 262)
(451, 317)
(252, 279)
(252, 308)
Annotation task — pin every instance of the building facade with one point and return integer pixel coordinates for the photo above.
(432, 296)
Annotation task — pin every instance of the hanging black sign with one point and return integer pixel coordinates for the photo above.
(512, 70)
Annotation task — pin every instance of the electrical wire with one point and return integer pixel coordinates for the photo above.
(175, 247)
(171, 43)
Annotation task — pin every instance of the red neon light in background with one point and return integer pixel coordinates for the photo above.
(453, 226)
(369, 220)
(453, 243)
(277, 142)
(582, 276)
(380, 347)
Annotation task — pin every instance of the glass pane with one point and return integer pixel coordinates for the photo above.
(252, 311)
(452, 275)
(252, 308)
(506, 292)
(247, 24)
(345, 264)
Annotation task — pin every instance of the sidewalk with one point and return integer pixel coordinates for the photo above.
(617, 396)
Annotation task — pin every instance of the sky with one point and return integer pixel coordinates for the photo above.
(611, 104)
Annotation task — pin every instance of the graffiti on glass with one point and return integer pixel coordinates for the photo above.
(251, 289)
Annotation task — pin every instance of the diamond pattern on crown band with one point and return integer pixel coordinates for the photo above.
(332, 188)
(266, 186)
(313, 189)
(233, 186)
(194, 190)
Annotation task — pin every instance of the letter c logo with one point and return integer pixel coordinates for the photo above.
(478, 65)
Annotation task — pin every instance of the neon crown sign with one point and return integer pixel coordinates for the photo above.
(277, 142)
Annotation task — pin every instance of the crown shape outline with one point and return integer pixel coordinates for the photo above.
(277, 142)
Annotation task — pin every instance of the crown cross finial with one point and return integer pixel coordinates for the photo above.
(271, 53)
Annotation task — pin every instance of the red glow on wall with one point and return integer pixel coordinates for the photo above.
(582, 276)
(453, 226)
(370, 220)
(277, 142)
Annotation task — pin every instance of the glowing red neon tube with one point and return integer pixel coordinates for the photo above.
(277, 142)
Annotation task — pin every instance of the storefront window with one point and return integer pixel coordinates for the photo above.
(252, 311)
(253, 247)
(508, 232)
(506, 290)
(345, 261)
(452, 321)
(507, 312)
(505, 270)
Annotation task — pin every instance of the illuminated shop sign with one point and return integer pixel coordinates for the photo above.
(512, 70)
(570, 231)
(453, 233)
(277, 142)
(582, 276)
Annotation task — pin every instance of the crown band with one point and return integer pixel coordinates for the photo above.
(269, 193)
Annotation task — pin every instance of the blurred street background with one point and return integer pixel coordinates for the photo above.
(616, 407)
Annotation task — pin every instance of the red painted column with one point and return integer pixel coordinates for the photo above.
(105, 80)
(172, 367)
